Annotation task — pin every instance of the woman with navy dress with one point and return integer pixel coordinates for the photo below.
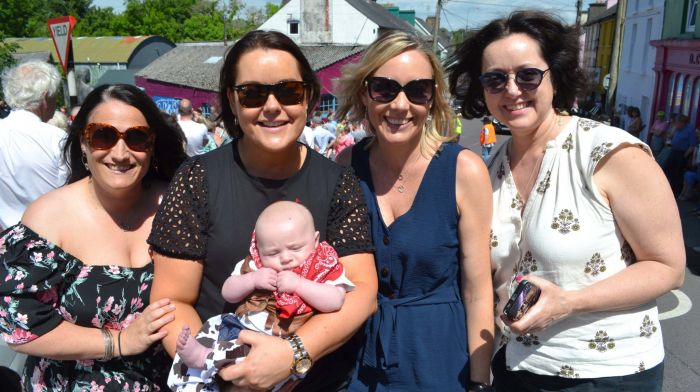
(429, 205)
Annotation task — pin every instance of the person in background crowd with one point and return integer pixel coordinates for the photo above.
(30, 149)
(429, 202)
(692, 176)
(77, 270)
(59, 120)
(357, 130)
(343, 139)
(4, 109)
(572, 216)
(634, 121)
(323, 138)
(73, 113)
(267, 91)
(307, 135)
(683, 142)
(658, 132)
(458, 128)
(197, 134)
(487, 138)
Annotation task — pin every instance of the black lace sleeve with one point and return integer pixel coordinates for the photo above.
(180, 225)
(348, 223)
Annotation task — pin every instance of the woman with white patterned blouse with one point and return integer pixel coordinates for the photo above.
(581, 210)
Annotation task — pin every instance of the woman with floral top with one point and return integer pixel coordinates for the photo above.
(76, 271)
(581, 210)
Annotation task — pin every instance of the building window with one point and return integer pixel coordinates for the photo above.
(293, 27)
(328, 102)
(669, 93)
(692, 14)
(632, 45)
(646, 46)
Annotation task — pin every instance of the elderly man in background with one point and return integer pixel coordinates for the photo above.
(197, 134)
(31, 162)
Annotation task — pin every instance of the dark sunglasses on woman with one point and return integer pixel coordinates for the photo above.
(526, 79)
(101, 136)
(254, 95)
(385, 90)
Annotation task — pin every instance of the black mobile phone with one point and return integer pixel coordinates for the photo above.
(524, 296)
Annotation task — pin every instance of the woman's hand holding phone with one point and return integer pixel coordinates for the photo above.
(552, 305)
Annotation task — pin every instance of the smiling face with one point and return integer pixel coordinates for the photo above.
(117, 168)
(400, 120)
(285, 236)
(522, 111)
(273, 126)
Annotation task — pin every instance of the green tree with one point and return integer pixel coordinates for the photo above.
(271, 9)
(6, 59)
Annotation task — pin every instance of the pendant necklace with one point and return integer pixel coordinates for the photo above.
(401, 188)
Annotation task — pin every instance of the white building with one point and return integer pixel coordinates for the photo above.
(643, 23)
(337, 22)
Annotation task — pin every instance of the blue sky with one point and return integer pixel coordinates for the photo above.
(456, 14)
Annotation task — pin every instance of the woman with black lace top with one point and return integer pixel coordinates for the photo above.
(267, 90)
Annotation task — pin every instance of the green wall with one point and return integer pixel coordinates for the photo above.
(674, 20)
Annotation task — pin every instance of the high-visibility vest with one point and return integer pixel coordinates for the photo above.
(491, 138)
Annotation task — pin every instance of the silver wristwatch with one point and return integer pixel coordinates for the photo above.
(302, 361)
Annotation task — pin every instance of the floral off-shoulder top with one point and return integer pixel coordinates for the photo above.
(41, 286)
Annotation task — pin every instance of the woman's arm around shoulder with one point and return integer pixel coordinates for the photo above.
(474, 201)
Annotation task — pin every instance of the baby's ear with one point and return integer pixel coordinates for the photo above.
(317, 237)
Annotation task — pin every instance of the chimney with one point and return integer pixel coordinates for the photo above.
(430, 21)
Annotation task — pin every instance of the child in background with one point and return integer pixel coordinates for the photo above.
(287, 276)
(487, 138)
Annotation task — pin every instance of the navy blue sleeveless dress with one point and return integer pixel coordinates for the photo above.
(417, 339)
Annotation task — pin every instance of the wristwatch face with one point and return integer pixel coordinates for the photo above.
(302, 365)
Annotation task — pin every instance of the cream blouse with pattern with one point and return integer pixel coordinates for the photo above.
(568, 235)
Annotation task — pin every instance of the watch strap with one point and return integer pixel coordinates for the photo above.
(479, 387)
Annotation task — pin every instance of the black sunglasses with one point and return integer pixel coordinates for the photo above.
(526, 79)
(254, 95)
(385, 90)
(101, 136)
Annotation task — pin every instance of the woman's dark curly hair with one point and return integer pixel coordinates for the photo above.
(259, 39)
(168, 148)
(558, 43)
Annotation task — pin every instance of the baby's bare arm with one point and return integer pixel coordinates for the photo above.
(237, 287)
(321, 296)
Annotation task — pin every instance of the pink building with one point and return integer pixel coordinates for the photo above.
(192, 71)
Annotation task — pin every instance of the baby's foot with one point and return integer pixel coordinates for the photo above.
(190, 350)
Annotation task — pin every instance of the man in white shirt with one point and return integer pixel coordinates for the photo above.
(307, 136)
(197, 134)
(31, 161)
(323, 138)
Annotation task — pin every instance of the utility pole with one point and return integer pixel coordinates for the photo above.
(578, 13)
(615, 56)
(436, 27)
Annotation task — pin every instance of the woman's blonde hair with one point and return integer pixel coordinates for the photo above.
(351, 85)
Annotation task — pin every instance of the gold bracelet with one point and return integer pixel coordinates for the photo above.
(109, 345)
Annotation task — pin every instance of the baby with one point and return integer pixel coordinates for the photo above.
(288, 275)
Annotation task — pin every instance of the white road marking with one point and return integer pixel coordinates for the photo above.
(684, 306)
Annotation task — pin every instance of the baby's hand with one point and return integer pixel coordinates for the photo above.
(287, 281)
(266, 279)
